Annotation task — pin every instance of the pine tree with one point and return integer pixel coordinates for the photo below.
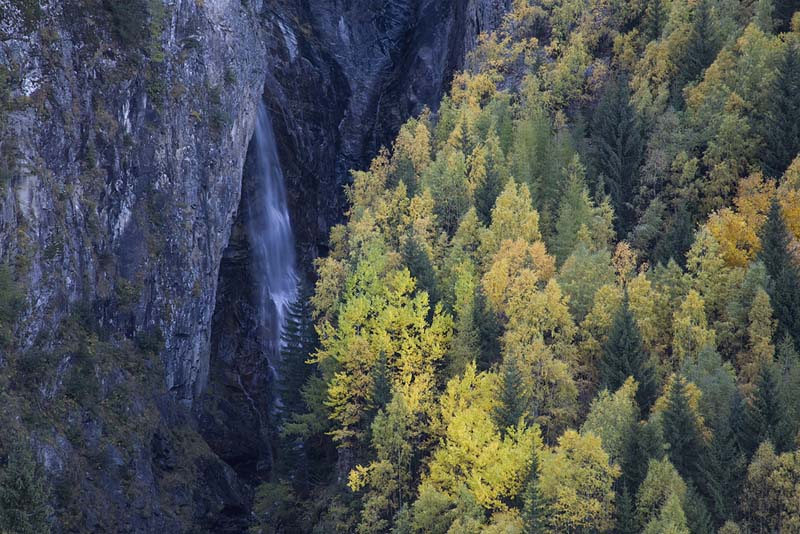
(681, 432)
(781, 125)
(534, 507)
(23, 494)
(618, 145)
(512, 405)
(624, 356)
(784, 278)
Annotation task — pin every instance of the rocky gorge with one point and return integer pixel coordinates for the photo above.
(132, 354)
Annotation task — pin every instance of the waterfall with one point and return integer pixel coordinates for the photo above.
(271, 239)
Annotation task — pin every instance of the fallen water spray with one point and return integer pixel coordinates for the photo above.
(271, 239)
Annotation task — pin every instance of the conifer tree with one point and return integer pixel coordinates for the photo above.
(784, 278)
(781, 125)
(681, 432)
(298, 341)
(618, 150)
(698, 518)
(495, 179)
(677, 240)
(574, 211)
(534, 506)
(763, 418)
(626, 513)
(489, 332)
(723, 470)
(512, 403)
(420, 266)
(702, 47)
(624, 356)
(645, 444)
(23, 494)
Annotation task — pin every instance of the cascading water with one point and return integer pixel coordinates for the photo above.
(271, 239)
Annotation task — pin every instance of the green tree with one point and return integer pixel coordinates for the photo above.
(490, 331)
(446, 179)
(582, 275)
(613, 418)
(784, 279)
(723, 470)
(574, 211)
(416, 259)
(298, 341)
(763, 416)
(781, 122)
(617, 138)
(681, 432)
(24, 494)
(660, 499)
(491, 185)
(626, 513)
(677, 239)
(534, 506)
(698, 518)
(512, 404)
(624, 356)
(702, 47)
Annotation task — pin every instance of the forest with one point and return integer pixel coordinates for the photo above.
(568, 299)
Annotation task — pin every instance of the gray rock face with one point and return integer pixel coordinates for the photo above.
(126, 170)
(124, 134)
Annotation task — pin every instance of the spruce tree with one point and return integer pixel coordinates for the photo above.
(702, 47)
(298, 341)
(681, 432)
(512, 405)
(624, 356)
(618, 150)
(784, 278)
(626, 513)
(781, 124)
(697, 517)
(574, 211)
(489, 332)
(723, 470)
(534, 506)
(645, 444)
(677, 240)
(763, 417)
(420, 266)
(23, 494)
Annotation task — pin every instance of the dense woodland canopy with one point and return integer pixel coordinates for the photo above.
(568, 300)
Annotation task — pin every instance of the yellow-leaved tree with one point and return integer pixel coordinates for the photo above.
(578, 481)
